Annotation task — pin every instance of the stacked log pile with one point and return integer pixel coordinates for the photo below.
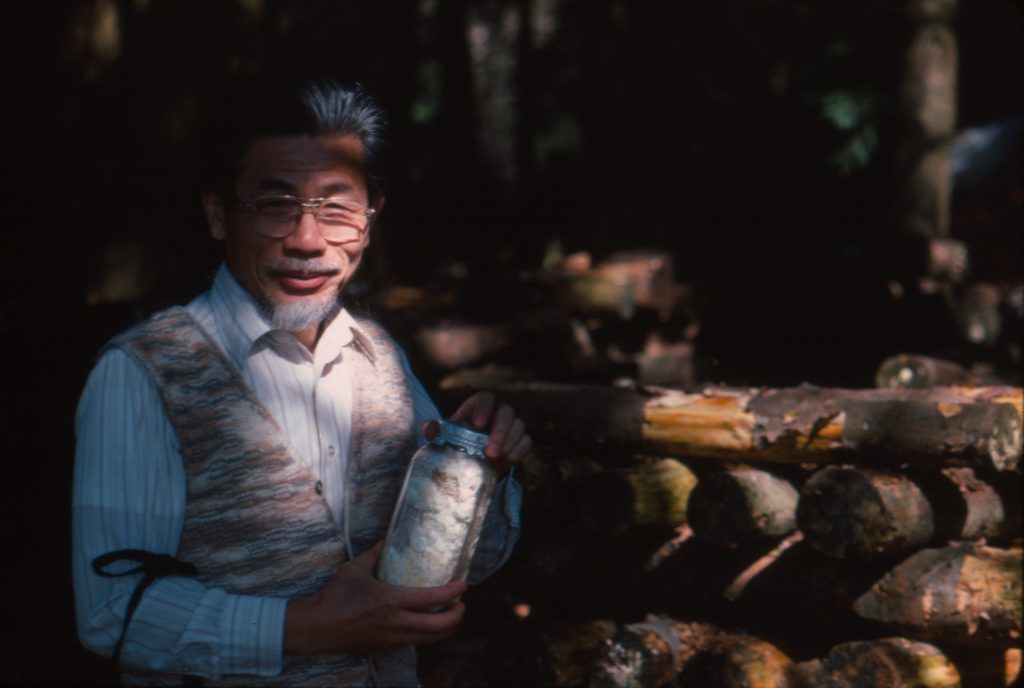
(763, 537)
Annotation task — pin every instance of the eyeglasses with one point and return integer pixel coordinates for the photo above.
(339, 219)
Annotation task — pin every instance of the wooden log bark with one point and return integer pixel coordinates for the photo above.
(962, 593)
(651, 494)
(859, 513)
(742, 505)
(978, 427)
(886, 663)
(661, 651)
(965, 507)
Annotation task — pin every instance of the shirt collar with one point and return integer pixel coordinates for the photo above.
(243, 324)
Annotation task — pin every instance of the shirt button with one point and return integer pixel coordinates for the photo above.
(319, 487)
(330, 450)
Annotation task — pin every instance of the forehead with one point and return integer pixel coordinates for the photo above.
(302, 162)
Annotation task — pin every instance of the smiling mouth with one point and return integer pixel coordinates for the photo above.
(299, 281)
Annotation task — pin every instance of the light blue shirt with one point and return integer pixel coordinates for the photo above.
(129, 489)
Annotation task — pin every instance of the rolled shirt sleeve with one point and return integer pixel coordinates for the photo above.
(129, 492)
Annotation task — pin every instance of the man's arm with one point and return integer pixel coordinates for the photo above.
(129, 492)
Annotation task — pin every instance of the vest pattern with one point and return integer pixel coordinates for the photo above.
(254, 523)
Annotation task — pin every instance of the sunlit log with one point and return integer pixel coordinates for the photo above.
(957, 593)
(978, 427)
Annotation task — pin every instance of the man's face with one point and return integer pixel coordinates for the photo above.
(301, 269)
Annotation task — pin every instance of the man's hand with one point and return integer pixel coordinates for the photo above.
(509, 442)
(354, 613)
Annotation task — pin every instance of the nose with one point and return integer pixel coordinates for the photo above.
(306, 238)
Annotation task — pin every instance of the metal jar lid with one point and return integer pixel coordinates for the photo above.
(462, 436)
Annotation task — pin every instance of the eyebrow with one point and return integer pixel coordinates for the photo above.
(280, 185)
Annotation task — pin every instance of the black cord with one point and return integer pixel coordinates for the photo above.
(151, 566)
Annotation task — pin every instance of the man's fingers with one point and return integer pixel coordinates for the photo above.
(476, 410)
(515, 434)
(430, 623)
(423, 599)
(500, 429)
(520, 449)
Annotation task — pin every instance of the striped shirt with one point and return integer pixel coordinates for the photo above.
(129, 489)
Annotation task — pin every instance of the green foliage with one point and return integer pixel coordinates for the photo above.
(851, 113)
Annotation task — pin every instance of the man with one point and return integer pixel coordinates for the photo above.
(260, 436)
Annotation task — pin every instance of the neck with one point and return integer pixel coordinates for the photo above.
(311, 335)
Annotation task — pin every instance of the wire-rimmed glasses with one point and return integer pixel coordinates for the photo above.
(339, 219)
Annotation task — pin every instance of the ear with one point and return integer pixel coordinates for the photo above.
(213, 205)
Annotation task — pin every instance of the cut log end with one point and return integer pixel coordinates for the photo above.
(860, 513)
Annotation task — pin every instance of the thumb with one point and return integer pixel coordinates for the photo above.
(368, 560)
(430, 429)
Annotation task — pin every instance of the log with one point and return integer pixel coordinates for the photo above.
(739, 662)
(859, 513)
(742, 505)
(661, 651)
(961, 593)
(918, 372)
(544, 653)
(966, 507)
(977, 427)
(454, 345)
(886, 663)
(651, 494)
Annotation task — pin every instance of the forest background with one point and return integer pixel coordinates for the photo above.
(757, 142)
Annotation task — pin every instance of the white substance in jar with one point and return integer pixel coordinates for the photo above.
(437, 522)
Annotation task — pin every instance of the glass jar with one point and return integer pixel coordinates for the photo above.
(440, 511)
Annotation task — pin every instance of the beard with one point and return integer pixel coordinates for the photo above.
(298, 316)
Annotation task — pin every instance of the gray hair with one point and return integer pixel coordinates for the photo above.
(316, 107)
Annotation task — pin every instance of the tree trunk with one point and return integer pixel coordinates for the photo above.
(958, 593)
(927, 110)
(860, 513)
(979, 427)
(742, 505)
(886, 663)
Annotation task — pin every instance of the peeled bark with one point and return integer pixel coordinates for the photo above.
(886, 663)
(978, 427)
(654, 494)
(957, 593)
(742, 505)
(860, 513)
(660, 651)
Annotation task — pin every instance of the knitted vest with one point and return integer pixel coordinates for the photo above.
(254, 522)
